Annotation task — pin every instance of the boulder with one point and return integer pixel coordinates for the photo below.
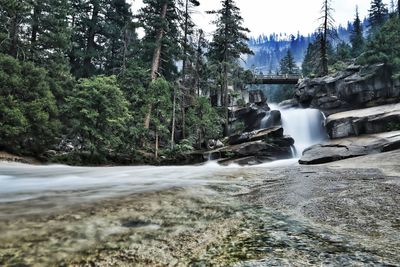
(262, 134)
(290, 103)
(355, 87)
(273, 148)
(273, 118)
(364, 121)
(257, 97)
(250, 116)
(351, 147)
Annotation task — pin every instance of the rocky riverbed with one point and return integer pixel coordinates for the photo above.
(345, 213)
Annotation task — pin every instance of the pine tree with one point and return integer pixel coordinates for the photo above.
(13, 17)
(120, 35)
(228, 44)
(398, 7)
(49, 31)
(324, 31)
(378, 14)
(161, 41)
(188, 26)
(384, 47)
(288, 64)
(185, 9)
(356, 38)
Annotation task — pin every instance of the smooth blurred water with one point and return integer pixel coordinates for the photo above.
(23, 182)
(305, 126)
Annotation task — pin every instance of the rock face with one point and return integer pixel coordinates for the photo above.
(355, 87)
(254, 147)
(257, 97)
(262, 134)
(339, 149)
(251, 116)
(364, 121)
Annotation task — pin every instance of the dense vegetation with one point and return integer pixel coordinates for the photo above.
(75, 77)
(77, 84)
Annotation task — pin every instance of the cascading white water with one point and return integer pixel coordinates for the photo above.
(305, 126)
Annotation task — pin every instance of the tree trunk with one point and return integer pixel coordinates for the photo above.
(91, 33)
(35, 23)
(13, 50)
(183, 118)
(125, 52)
(324, 42)
(198, 62)
(156, 63)
(184, 62)
(156, 148)
(173, 122)
(185, 39)
(226, 100)
(398, 7)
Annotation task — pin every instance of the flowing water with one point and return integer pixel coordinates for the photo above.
(305, 126)
(274, 214)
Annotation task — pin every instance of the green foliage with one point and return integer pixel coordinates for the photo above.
(288, 64)
(103, 37)
(384, 46)
(356, 38)
(309, 65)
(343, 52)
(203, 121)
(151, 21)
(28, 111)
(99, 114)
(228, 45)
(393, 126)
(184, 146)
(159, 96)
(378, 14)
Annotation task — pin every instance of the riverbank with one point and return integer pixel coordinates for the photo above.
(343, 213)
(7, 157)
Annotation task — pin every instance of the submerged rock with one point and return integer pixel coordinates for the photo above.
(339, 149)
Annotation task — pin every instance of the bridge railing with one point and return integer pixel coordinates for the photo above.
(278, 77)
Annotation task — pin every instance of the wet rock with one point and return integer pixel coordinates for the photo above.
(364, 121)
(272, 119)
(250, 117)
(254, 152)
(339, 149)
(262, 134)
(257, 97)
(291, 103)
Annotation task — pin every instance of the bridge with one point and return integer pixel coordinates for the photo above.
(277, 79)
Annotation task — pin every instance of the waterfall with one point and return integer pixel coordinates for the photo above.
(305, 126)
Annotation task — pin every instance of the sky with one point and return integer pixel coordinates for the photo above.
(280, 16)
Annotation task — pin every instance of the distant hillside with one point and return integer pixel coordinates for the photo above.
(270, 49)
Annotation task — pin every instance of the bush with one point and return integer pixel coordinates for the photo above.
(98, 114)
(203, 121)
(28, 111)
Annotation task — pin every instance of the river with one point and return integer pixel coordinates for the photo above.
(274, 214)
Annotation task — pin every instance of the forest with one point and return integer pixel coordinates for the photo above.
(75, 76)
